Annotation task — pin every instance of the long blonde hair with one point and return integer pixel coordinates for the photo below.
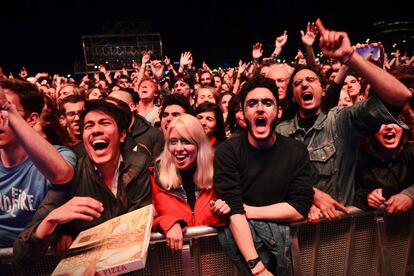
(190, 128)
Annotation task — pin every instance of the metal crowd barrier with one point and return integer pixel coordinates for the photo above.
(350, 246)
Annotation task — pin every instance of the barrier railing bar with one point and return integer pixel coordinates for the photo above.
(296, 263)
(316, 244)
(186, 259)
(195, 251)
(349, 248)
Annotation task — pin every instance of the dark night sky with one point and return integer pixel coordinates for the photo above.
(46, 35)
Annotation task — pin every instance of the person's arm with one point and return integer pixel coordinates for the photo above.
(308, 39)
(280, 42)
(27, 248)
(227, 185)
(144, 60)
(170, 67)
(244, 240)
(78, 208)
(282, 211)
(387, 87)
(43, 155)
(257, 52)
(237, 83)
(333, 91)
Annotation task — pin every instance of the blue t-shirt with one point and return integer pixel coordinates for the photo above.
(22, 189)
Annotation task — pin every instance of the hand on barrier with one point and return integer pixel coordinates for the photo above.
(314, 214)
(375, 198)
(175, 237)
(398, 203)
(327, 205)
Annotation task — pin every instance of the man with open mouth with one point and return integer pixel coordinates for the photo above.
(332, 137)
(265, 178)
(109, 181)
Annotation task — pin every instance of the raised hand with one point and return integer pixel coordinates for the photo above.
(146, 56)
(332, 43)
(205, 66)
(281, 40)
(242, 68)
(309, 37)
(257, 51)
(157, 68)
(102, 68)
(167, 62)
(135, 65)
(185, 59)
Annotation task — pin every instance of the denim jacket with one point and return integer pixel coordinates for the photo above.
(333, 141)
(272, 241)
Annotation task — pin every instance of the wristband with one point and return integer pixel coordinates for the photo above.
(348, 57)
(260, 271)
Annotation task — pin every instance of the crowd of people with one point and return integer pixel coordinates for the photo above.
(247, 150)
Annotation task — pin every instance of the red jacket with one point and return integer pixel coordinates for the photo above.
(171, 208)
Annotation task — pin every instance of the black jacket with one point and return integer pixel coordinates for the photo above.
(145, 134)
(134, 191)
(392, 176)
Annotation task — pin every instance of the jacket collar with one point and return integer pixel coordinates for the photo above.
(319, 124)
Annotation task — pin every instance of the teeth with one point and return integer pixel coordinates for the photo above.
(389, 136)
(98, 141)
(181, 156)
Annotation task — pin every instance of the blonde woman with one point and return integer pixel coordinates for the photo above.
(182, 182)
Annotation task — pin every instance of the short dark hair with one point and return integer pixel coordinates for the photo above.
(188, 80)
(107, 108)
(178, 99)
(30, 97)
(322, 79)
(258, 81)
(71, 99)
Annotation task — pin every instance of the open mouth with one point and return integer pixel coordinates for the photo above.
(181, 157)
(261, 122)
(389, 136)
(307, 96)
(99, 145)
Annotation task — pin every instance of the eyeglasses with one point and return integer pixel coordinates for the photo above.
(72, 114)
(308, 79)
(254, 103)
(184, 142)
